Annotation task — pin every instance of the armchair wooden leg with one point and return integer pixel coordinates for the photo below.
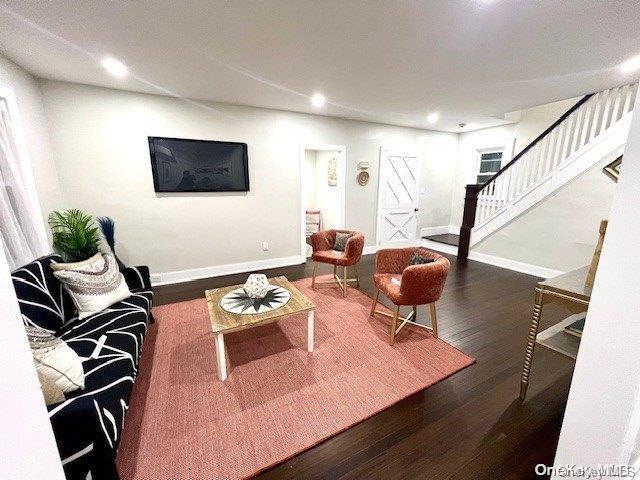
(355, 267)
(415, 314)
(434, 320)
(375, 302)
(344, 286)
(313, 278)
(335, 270)
(394, 325)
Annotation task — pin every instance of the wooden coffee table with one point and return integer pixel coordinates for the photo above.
(226, 322)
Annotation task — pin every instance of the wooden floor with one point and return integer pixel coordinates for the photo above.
(470, 426)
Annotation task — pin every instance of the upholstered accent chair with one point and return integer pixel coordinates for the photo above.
(406, 284)
(323, 252)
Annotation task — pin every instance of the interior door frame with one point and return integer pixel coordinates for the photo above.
(382, 177)
(342, 186)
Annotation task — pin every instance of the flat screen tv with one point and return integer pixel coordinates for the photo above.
(182, 165)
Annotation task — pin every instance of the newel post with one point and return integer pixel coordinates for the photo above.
(468, 221)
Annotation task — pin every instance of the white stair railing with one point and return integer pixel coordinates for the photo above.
(590, 118)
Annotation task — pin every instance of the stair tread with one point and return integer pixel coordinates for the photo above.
(446, 238)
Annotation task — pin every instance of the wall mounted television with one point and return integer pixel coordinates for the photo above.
(183, 165)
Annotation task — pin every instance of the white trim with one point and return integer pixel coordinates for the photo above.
(342, 185)
(521, 267)
(428, 231)
(369, 249)
(501, 262)
(441, 230)
(607, 145)
(439, 247)
(506, 145)
(179, 276)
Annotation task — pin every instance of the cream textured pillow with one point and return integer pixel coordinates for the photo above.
(92, 264)
(59, 368)
(93, 289)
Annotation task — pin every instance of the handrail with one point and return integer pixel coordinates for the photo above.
(538, 138)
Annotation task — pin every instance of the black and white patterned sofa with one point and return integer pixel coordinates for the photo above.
(88, 424)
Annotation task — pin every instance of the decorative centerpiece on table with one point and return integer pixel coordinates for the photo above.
(257, 295)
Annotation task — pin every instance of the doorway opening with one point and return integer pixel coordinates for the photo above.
(322, 191)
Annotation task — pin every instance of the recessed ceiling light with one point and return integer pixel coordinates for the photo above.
(631, 65)
(433, 117)
(317, 100)
(115, 67)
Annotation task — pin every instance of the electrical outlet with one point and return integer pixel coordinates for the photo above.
(156, 278)
(265, 246)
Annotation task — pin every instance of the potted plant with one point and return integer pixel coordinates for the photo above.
(75, 236)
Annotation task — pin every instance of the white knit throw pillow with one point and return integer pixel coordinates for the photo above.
(94, 289)
(59, 368)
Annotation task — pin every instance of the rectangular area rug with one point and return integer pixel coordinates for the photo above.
(279, 399)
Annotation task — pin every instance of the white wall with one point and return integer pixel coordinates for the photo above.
(27, 444)
(550, 235)
(309, 178)
(99, 142)
(561, 232)
(535, 120)
(602, 419)
(531, 123)
(36, 135)
(465, 172)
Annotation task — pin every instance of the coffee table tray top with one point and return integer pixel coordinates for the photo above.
(226, 322)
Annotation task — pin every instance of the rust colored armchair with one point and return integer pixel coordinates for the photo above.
(406, 284)
(322, 243)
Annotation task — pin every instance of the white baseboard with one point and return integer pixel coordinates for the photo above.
(426, 232)
(369, 249)
(521, 267)
(439, 247)
(179, 276)
(507, 263)
(442, 229)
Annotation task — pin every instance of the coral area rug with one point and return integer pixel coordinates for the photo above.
(279, 399)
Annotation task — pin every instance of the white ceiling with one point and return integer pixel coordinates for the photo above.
(385, 61)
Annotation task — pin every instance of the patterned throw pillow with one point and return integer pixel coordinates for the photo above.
(92, 289)
(417, 259)
(95, 263)
(340, 243)
(59, 368)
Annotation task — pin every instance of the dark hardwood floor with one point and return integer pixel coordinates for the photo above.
(470, 426)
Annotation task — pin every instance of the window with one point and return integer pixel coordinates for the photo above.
(489, 163)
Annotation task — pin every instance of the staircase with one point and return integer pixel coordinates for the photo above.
(595, 128)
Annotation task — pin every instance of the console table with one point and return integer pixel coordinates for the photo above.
(569, 289)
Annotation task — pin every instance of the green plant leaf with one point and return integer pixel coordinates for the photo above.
(75, 236)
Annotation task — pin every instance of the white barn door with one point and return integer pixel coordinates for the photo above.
(398, 195)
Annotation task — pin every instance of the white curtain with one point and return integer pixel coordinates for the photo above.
(20, 221)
